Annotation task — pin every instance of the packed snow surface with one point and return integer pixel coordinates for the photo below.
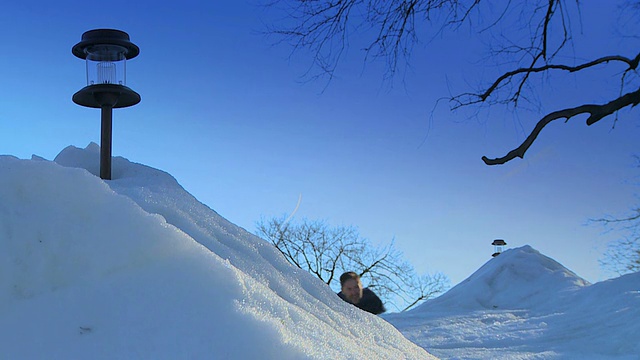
(137, 268)
(524, 305)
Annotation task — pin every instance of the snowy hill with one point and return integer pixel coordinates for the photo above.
(517, 279)
(524, 305)
(136, 268)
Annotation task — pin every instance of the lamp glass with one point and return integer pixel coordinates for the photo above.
(106, 64)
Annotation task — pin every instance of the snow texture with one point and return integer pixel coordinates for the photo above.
(137, 268)
(524, 305)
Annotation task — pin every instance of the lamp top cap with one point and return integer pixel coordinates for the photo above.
(498, 242)
(105, 37)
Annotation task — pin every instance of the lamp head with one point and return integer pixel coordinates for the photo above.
(105, 52)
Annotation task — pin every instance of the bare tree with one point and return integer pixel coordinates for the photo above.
(623, 255)
(327, 252)
(394, 27)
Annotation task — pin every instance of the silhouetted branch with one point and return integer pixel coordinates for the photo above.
(391, 28)
(596, 113)
(459, 102)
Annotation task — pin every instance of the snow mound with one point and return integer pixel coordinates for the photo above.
(524, 305)
(592, 322)
(519, 278)
(136, 267)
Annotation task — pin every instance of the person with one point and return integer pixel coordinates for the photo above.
(352, 292)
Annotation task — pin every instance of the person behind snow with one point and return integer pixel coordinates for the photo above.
(352, 292)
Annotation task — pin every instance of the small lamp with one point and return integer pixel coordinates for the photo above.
(498, 246)
(106, 52)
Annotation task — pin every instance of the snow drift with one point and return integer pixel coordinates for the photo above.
(525, 305)
(137, 268)
(519, 278)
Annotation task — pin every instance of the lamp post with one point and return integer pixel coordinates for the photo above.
(498, 245)
(106, 52)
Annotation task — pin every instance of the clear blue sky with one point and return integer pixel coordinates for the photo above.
(224, 111)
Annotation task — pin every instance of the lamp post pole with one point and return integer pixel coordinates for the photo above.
(106, 131)
(107, 100)
(105, 51)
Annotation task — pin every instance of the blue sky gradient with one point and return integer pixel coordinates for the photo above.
(225, 111)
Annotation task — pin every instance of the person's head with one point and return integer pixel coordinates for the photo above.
(351, 287)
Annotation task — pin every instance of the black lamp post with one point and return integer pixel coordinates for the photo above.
(106, 52)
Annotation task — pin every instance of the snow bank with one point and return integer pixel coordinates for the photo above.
(136, 267)
(524, 305)
(519, 278)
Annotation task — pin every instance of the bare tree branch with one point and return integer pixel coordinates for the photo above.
(632, 65)
(429, 287)
(596, 113)
(623, 255)
(325, 252)
(389, 29)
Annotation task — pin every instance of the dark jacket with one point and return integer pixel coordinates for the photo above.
(370, 302)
